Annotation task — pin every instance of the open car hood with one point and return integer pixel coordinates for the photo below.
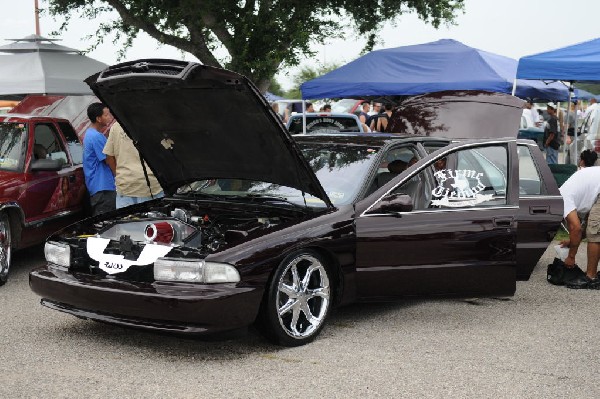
(193, 122)
(459, 115)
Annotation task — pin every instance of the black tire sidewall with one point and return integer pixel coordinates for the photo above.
(5, 219)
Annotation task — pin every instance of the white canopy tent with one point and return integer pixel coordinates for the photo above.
(36, 65)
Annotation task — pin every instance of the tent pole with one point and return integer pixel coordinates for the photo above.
(514, 90)
(303, 116)
(566, 132)
(575, 131)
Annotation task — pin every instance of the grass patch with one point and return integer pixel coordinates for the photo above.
(561, 234)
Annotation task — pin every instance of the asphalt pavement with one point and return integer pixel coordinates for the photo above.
(541, 343)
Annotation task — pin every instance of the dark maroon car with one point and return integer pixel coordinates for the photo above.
(42, 187)
(258, 227)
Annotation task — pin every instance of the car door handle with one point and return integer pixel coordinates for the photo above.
(539, 210)
(503, 222)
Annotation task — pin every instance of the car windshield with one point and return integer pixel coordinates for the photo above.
(324, 124)
(13, 137)
(344, 105)
(341, 169)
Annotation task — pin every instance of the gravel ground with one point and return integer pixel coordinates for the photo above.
(539, 343)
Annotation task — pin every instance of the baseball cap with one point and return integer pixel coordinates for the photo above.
(551, 105)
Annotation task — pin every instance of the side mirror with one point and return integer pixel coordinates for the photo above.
(48, 165)
(393, 203)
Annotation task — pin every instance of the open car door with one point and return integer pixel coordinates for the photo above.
(445, 226)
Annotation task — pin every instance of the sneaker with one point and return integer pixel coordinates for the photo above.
(584, 282)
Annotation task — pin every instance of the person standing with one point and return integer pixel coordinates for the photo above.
(364, 114)
(581, 202)
(533, 114)
(133, 186)
(99, 179)
(593, 104)
(570, 123)
(382, 121)
(551, 135)
(587, 158)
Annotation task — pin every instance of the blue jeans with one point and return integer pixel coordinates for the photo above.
(551, 156)
(122, 200)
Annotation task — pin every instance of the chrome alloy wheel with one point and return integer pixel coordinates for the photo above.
(5, 247)
(303, 296)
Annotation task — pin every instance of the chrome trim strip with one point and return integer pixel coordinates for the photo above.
(40, 222)
(437, 210)
(534, 196)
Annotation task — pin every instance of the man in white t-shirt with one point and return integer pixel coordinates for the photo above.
(532, 115)
(580, 195)
(590, 108)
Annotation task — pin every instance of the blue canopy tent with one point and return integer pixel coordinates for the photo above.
(576, 63)
(272, 97)
(437, 66)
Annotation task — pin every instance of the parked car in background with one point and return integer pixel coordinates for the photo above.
(73, 108)
(277, 230)
(528, 129)
(347, 105)
(42, 186)
(288, 107)
(325, 123)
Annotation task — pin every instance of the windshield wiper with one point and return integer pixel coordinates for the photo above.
(271, 198)
(200, 194)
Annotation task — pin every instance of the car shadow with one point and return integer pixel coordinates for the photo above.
(246, 342)
(23, 261)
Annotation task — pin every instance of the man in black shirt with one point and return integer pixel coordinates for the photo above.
(551, 135)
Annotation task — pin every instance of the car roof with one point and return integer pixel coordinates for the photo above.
(20, 117)
(323, 114)
(371, 139)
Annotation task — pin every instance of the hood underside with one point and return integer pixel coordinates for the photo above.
(194, 122)
(459, 115)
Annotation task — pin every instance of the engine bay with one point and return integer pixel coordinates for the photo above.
(187, 229)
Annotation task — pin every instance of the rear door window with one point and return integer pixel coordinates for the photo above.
(73, 143)
(530, 182)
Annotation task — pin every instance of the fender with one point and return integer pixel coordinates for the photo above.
(17, 218)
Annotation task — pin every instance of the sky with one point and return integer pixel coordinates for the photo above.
(513, 28)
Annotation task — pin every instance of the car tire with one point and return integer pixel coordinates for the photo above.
(298, 300)
(5, 247)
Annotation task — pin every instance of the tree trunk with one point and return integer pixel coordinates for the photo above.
(263, 85)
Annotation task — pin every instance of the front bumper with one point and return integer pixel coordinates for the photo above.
(162, 306)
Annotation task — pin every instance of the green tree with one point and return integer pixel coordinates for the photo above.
(275, 88)
(305, 74)
(259, 36)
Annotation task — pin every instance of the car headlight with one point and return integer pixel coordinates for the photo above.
(195, 271)
(57, 253)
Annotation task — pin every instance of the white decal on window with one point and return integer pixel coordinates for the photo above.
(325, 120)
(454, 189)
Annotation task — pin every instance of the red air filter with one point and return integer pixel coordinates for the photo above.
(159, 232)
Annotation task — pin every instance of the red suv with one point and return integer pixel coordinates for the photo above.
(42, 186)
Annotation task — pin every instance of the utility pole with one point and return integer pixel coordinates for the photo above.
(37, 18)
